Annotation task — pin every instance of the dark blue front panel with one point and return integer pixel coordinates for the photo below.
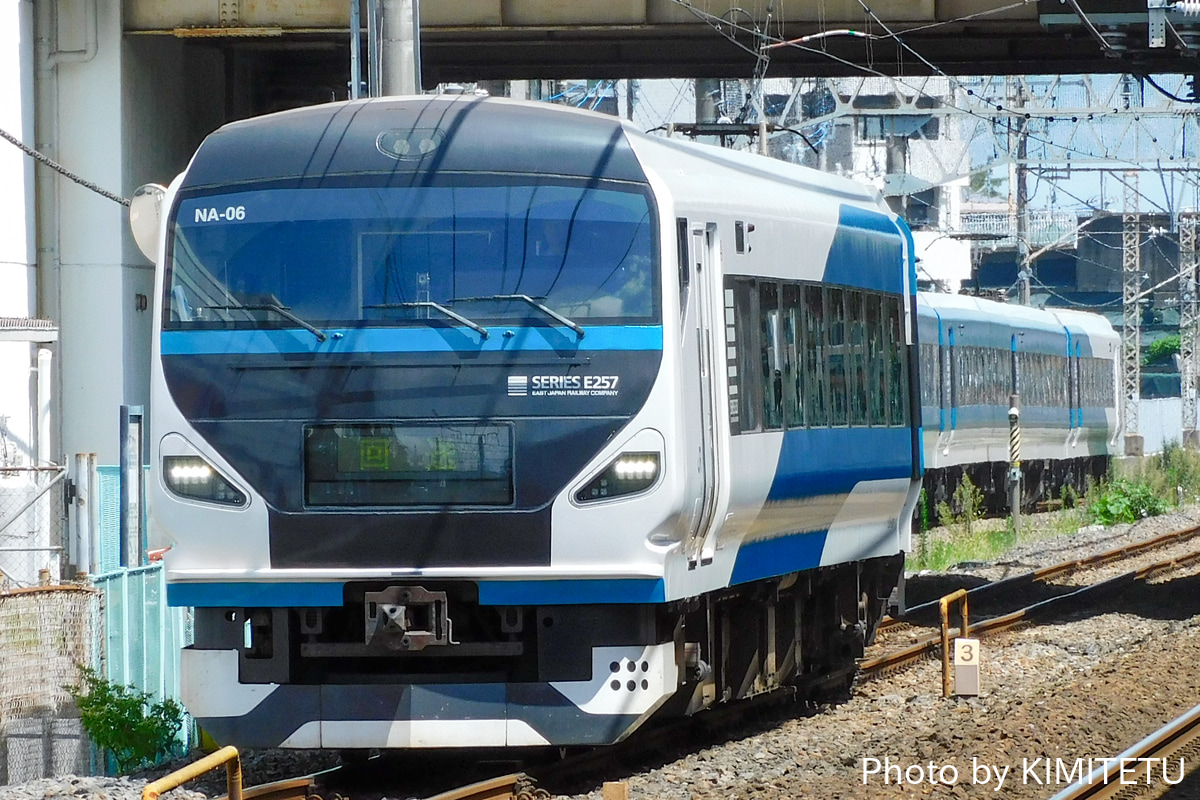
(562, 406)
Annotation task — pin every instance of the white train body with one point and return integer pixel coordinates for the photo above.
(481, 423)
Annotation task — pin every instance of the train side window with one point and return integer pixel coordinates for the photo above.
(897, 371)
(745, 324)
(876, 361)
(770, 356)
(857, 385)
(931, 373)
(815, 379)
(685, 272)
(835, 328)
(731, 359)
(793, 352)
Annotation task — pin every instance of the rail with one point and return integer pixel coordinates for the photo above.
(1109, 779)
(506, 787)
(290, 789)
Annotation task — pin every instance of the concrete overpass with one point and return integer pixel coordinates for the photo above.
(471, 40)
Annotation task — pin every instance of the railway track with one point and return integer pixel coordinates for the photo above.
(1043, 574)
(594, 762)
(926, 646)
(1142, 765)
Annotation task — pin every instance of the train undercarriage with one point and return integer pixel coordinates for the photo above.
(574, 674)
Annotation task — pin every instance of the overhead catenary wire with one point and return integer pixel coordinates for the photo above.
(719, 25)
(59, 168)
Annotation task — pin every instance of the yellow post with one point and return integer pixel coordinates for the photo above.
(944, 604)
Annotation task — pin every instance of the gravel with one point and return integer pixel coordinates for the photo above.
(1081, 688)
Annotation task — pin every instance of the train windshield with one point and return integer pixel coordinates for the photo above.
(526, 250)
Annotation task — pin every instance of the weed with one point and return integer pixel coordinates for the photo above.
(967, 508)
(1125, 500)
(123, 721)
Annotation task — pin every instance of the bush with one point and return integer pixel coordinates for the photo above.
(1161, 350)
(1126, 501)
(123, 721)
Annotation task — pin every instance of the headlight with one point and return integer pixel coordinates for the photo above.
(195, 478)
(629, 473)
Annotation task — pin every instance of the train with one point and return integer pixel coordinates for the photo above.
(1060, 366)
(484, 423)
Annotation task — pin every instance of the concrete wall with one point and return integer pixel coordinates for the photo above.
(17, 231)
(1160, 422)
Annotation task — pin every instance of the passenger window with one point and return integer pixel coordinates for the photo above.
(685, 272)
(857, 384)
(815, 377)
(876, 362)
(897, 371)
(793, 351)
(771, 360)
(745, 322)
(835, 321)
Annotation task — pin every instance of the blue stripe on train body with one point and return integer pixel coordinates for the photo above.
(442, 339)
(815, 463)
(867, 252)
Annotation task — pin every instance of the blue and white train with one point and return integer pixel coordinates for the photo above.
(486, 423)
(1063, 367)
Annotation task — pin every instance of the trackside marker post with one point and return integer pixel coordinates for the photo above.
(966, 666)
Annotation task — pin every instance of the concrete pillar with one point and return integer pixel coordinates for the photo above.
(17, 232)
(401, 48)
(82, 259)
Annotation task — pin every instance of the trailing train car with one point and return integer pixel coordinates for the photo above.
(486, 423)
(975, 355)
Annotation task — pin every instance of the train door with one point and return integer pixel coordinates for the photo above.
(699, 286)
(1075, 373)
(947, 389)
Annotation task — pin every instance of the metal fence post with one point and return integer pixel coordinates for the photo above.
(132, 485)
(93, 490)
(81, 534)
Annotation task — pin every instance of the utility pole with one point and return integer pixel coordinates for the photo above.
(1021, 196)
(401, 47)
(1189, 326)
(1131, 346)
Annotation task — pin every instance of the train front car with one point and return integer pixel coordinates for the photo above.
(441, 427)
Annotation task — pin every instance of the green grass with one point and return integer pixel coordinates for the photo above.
(1146, 488)
(987, 541)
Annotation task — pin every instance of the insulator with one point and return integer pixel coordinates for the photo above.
(1189, 8)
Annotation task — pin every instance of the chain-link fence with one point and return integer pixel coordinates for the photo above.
(33, 524)
(45, 633)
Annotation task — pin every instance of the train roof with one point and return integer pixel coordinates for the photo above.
(405, 138)
(957, 307)
(310, 145)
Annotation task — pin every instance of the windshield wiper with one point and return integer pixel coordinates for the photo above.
(545, 309)
(281, 311)
(454, 315)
